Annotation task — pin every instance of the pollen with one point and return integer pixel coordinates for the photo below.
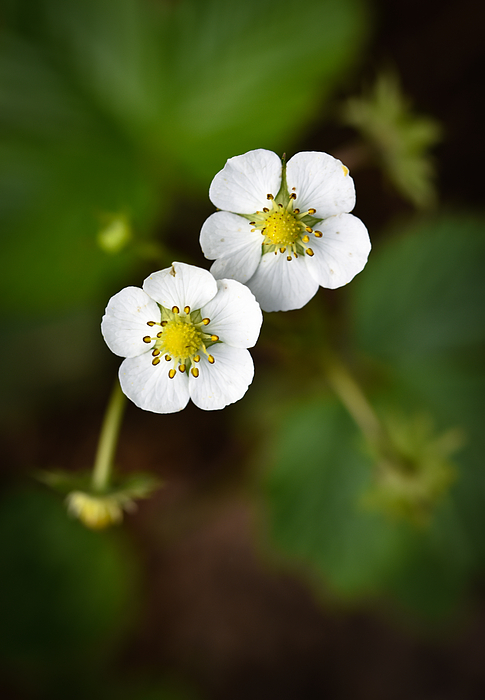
(180, 339)
(281, 228)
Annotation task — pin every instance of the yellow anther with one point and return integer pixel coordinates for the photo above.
(312, 211)
(296, 211)
(159, 335)
(175, 309)
(150, 323)
(309, 252)
(163, 323)
(187, 309)
(288, 257)
(172, 373)
(309, 229)
(195, 371)
(269, 196)
(182, 368)
(155, 361)
(282, 250)
(196, 358)
(214, 338)
(156, 352)
(211, 359)
(147, 339)
(168, 358)
(305, 238)
(266, 210)
(318, 234)
(205, 321)
(292, 195)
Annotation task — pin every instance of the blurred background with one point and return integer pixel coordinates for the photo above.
(283, 557)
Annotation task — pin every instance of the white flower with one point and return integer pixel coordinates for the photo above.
(184, 336)
(284, 230)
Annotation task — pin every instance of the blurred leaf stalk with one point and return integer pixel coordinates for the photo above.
(412, 468)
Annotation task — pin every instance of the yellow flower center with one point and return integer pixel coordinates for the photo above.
(282, 228)
(285, 229)
(180, 339)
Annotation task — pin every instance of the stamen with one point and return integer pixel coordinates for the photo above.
(282, 250)
(292, 195)
(269, 196)
(288, 257)
(147, 339)
(305, 238)
(296, 211)
(309, 252)
(265, 209)
(214, 338)
(309, 229)
(196, 358)
(280, 206)
(163, 323)
(205, 321)
(175, 309)
(159, 335)
(155, 361)
(187, 309)
(312, 211)
(156, 352)
(172, 373)
(318, 234)
(195, 371)
(211, 359)
(168, 358)
(182, 368)
(151, 323)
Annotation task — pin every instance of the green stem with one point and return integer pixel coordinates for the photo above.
(108, 439)
(354, 399)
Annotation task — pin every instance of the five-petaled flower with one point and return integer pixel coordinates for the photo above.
(184, 335)
(284, 230)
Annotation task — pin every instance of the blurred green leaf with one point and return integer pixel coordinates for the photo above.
(422, 293)
(66, 593)
(419, 313)
(314, 483)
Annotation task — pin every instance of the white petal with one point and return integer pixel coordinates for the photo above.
(280, 284)
(124, 323)
(320, 182)
(223, 382)
(234, 315)
(245, 181)
(228, 238)
(150, 387)
(341, 253)
(181, 285)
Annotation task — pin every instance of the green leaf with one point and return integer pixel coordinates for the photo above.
(66, 593)
(421, 294)
(314, 481)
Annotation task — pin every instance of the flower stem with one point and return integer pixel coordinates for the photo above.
(108, 439)
(354, 400)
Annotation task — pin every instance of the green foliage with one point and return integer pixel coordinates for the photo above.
(66, 593)
(419, 320)
(399, 139)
